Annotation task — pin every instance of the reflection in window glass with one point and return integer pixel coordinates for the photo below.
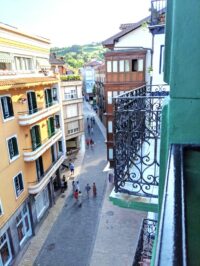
(127, 66)
(115, 66)
(140, 64)
(109, 97)
(121, 66)
(109, 68)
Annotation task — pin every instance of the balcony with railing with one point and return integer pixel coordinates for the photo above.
(146, 239)
(37, 149)
(34, 115)
(158, 16)
(137, 125)
(41, 183)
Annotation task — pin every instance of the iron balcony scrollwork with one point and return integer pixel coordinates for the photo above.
(137, 140)
(145, 242)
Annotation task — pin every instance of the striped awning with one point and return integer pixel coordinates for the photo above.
(5, 58)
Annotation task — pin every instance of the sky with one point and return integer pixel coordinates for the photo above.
(68, 22)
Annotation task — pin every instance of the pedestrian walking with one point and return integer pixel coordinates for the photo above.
(92, 130)
(65, 182)
(93, 120)
(94, 189)
(77, 185)
(91, 143)
(76, 195)
(88, 119)
(73, 187)
(71, 168)
(87, 143)
(62, 186)
(80, 199)
(88, 129)
(87, 188)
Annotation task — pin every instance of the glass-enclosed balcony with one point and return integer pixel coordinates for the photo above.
(137, 125)
(158, 12)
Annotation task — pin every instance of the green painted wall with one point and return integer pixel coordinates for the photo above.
(181, 113)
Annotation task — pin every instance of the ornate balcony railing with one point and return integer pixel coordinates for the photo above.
(145, 243)
(158, 16)
(137, 139)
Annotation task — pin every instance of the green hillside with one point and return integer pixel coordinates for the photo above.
(77, 55)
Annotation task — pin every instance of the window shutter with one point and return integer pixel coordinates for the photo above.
(15, 147)
(10, 147)
(21, 185)
(10, 106)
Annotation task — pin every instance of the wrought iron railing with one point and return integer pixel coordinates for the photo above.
(136, 140)
(145, 242)
(158, 10)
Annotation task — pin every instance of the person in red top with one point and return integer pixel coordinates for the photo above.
(76, 195)
(87, 143)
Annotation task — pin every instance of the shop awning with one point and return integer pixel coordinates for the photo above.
(5, 58)
(43, 63)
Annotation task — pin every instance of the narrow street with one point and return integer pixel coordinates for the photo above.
(93, 234)
(71, 239)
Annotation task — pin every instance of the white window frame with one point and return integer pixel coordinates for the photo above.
(126, 66)
(140, 65)
(110, 127)
(74, 114)
(21, 191)
(121, 66)
(74, 129)
(1, 209)
(22, 220)
(115, 66)
(9, 118)
(70, 93)
(109, 66)
(110, 153)
(17, 156)
(109, 97)
(9, 248)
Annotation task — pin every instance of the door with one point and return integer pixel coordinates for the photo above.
(48, 98)
(35, 137)
(39, 168)
(32, 103)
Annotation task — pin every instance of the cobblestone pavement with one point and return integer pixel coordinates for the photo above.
(98, 233)
(71, 238)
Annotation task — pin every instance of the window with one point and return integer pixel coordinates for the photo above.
(23, 224)
(54, 92)
(18, 183)
(127, 66)
(60, 148)
(134, 65)
(48, 97)
(35, 137)
(110, 154)
(115, 69)
(70, 93)
(23, 63)
(5, 66)
(7, 107)
(110, 127)
(109, 66)
(72, 111)
(50, 126)
(13, 148)
(121, 66)
(109, 95)
(39, 168)
(1, 209)
(5, 250)
(73, 127)
(161, 63)
(32, 102)
(140, 64)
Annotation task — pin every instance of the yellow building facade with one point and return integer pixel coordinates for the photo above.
(31, 138)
